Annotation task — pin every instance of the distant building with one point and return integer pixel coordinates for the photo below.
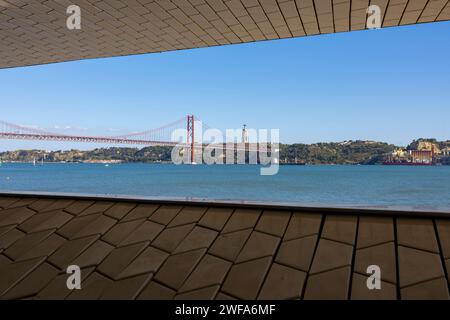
(428, 146)
(421, 156)
(400, 153)
(402, 156)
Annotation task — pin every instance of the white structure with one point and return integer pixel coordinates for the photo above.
(244, 134)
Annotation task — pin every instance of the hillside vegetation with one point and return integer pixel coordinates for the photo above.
(348, 152)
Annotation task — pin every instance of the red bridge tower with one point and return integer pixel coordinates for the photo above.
(190, 135)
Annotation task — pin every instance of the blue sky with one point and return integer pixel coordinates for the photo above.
(389, 85)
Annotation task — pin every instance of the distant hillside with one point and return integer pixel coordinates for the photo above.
(148, 154)
(348, 152)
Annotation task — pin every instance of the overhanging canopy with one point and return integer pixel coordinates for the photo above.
(35, 32)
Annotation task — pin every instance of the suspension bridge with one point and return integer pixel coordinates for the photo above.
(161, 136)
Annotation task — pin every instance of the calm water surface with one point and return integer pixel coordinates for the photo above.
(345, 185)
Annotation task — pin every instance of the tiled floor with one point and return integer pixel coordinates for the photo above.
(149, 251)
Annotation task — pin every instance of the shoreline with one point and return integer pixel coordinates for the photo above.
(220, 164)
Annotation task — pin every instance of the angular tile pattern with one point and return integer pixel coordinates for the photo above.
(340, 228)
(210, 271)
(141, 211)
(120, 258)
(147, 231)
(137, 250)
(178, 267)
(283, 283)
(302, 225)
(382, 255)
(273, 222)
(418, 266)
(121, 27)
(374, 230)
(147, 262)
(297, 253)
(165, 214)
(258, 245)
(126, 289)
(360, 291)
(417, 234)
(245, 279)
(120, 210)
(242, 219)
(329, 285)
(215, 218)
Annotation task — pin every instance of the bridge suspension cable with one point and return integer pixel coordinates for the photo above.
(161, 136)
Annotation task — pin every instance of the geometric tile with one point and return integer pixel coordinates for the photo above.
(416, 233)
(137, 250)
(148, 261)
(330, 285)
(340, 228)
(178, 267)
(282, 283)
(331, 255)
(245, 279)
(229, 245)
(381, 255)
(360, 291)
(147, 231)
(215, 218)
(187, 215)
(258, 245)
(156, 291)
(198, 238)
(297, 253)
(127, 289)
(431, 290)
(443, 229)
(119, 259)
(210, 271)
(273, 222)
(165, 214)
(69, 251)
(33, 283)
(241, 219)
(418, 266)
(302, 225)
(199, 294)
(119, 210)
(170, 238)
(374, 230)
(141, 211)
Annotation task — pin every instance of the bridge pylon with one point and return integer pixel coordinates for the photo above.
(191, 135)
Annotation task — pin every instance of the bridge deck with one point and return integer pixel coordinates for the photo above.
(140, 250)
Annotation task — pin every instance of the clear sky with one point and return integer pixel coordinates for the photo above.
(389, 85)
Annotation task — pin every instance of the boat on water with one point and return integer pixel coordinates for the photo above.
(420, 164)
